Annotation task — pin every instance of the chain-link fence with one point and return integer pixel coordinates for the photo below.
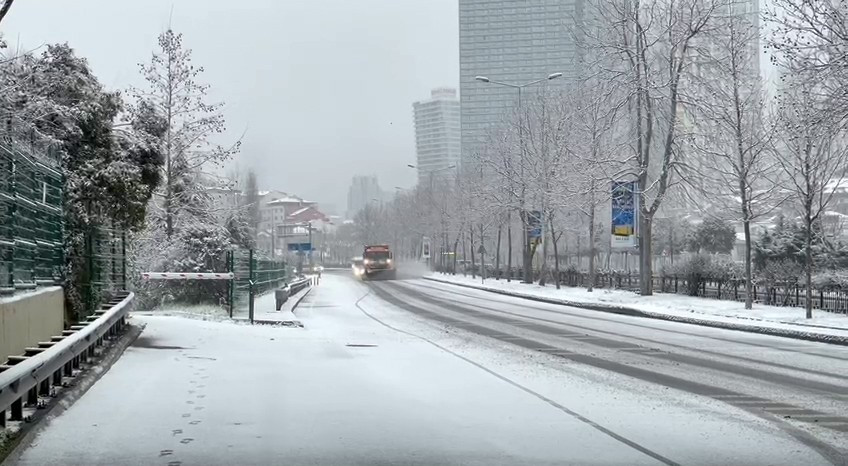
(31, 212)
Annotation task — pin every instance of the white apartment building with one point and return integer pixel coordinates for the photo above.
(437, 134)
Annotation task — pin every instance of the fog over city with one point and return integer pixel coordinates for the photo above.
(321, 89)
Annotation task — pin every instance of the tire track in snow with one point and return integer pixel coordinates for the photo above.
(532, 305)
(828, 389)
(747, 403)
(578, 416)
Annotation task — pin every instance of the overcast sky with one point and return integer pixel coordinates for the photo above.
(323, 88)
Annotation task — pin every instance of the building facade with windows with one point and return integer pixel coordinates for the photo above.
(512, 41)
(437, 137)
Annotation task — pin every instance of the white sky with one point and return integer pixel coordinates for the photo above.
(323, 88)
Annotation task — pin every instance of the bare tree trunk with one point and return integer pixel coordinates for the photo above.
(473, 260)
(7, 4)
(579, 255)
(498, 255)
(646, 282)
(556, 254)
(464, 256)
(509, 247)
(671, 241)
(808, 266)
(749, 279)
(455, 247)
(591, 286)
(525, 247)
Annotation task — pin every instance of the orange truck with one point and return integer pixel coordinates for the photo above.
(378, 262)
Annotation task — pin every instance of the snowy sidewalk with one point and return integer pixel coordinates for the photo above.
(770, 320)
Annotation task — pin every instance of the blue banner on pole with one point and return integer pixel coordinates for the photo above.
(534, 224)
(624, 213)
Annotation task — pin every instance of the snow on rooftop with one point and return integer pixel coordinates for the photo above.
(299, 211)
(287, 200)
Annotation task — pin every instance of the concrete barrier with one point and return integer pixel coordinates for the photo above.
(28, 318)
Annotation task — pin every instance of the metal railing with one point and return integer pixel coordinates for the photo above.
(774, 294)
(26, 377)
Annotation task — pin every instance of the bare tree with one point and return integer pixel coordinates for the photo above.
(645, 47)
(598, 148)
(810, 39)
(4, 8)
(812, 152)
(733, 138)
(548, 139)
(810, 45)
(190, 121)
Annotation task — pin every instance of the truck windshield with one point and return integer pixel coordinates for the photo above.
(377, 255)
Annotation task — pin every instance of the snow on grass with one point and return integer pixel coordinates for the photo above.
(674, 306)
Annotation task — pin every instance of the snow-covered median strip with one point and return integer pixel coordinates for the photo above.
(769, 320)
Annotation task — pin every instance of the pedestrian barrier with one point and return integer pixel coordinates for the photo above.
(281, 295)
(28, 376)
(187, 276)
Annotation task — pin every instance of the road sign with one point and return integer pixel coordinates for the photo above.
(624, 212)
(300, 247)
(425, 248)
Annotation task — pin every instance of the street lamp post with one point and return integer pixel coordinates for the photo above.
(528, 264)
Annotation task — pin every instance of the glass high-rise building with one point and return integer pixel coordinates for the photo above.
(513, 41)
(437, 139)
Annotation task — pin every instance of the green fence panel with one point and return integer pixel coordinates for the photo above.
(31, 217)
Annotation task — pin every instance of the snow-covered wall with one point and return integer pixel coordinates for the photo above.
(29, 318)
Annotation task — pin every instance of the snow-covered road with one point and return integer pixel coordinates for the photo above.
(399, 373)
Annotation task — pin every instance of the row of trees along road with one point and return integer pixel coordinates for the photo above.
(669, 94)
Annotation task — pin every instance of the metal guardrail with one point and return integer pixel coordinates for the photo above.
(30, 375)
(298, 285)
(283, 294)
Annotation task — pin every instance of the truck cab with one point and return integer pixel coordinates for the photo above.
(378, 261)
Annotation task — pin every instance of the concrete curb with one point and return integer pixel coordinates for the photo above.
(297, 303)
(612, 309)
(15, 447)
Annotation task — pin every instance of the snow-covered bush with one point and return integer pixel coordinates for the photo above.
(701, 268)
(197, 248)
(831, 280)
